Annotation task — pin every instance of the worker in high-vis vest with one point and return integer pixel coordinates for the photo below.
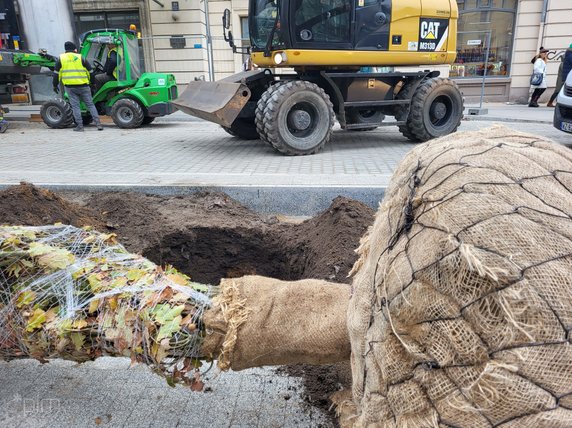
(109, 71)
(73, 72)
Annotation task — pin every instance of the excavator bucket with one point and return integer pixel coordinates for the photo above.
(221, 101)
(218, 102)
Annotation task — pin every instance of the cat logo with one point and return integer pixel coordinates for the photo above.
(430, 30)
(433, 34)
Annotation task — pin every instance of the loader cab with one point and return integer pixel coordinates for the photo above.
(95, 48)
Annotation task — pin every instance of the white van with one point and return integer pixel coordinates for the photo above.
(563, 110)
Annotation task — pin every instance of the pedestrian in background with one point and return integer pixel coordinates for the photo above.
(567, 64)
(559, 83)
(73, 72)
(3, 122)
(540, 72)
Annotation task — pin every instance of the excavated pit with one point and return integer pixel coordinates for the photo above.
(210, 236)
(208, 254)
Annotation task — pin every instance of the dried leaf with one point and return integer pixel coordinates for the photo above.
(93, 306)
(50, 257)
(179, 278)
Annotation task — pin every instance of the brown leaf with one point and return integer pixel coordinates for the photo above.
(197, 384)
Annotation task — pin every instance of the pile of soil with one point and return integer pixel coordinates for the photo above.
(210, 236)
(31, 206)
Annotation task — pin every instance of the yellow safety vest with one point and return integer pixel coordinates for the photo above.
(73, 72)
(116, 60)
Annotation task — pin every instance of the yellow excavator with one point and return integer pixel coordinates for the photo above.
(336, 49)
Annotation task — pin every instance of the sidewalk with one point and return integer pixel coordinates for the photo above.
(519, 113)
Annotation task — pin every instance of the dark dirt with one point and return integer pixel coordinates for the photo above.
(31, 206)
(210, 236)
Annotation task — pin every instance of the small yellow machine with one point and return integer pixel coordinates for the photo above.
(335, 48)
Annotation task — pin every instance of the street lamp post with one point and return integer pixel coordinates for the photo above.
(210, 56)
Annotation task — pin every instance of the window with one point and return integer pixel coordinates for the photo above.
(100, 20)
(477, 20)
(322, 21)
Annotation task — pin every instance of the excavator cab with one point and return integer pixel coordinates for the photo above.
(333, 46)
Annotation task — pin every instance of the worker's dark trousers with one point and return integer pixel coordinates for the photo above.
(82, 93)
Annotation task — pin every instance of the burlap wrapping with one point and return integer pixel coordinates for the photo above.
(462, 297)
(257, 321)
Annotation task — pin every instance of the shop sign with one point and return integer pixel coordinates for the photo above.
(474, 42)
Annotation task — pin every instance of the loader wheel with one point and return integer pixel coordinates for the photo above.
(369, 118)
(298, 118)
(127, 113)
(57, 114)
(242, 128)
(260, 106)
(436, 109)
(147, 120)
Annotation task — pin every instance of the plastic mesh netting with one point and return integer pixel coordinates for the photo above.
(462, 297)
(77, 294)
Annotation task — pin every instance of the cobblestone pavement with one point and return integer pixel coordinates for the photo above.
(177, 156)
(201, 153)
(109, 393)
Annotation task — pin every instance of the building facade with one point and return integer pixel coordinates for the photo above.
(496, 39)
(513, 31)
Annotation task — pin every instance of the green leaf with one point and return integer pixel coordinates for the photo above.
(77, 339)
(135, 274)
(36, 321)
(65, 326)
(163, 313)
(167, 330)
(94, 282)
(199, 287)
(25, 298)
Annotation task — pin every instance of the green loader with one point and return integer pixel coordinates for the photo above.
(132, 99)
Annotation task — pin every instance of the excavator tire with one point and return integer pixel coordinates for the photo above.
(127, 113)
(402, 112)
(242, 128)
(57, 114)
(369, 118)
(436, 109)
(260, 106)
(298, 118)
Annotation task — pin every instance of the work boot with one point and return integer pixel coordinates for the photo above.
(78, 129)
(99, 127)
